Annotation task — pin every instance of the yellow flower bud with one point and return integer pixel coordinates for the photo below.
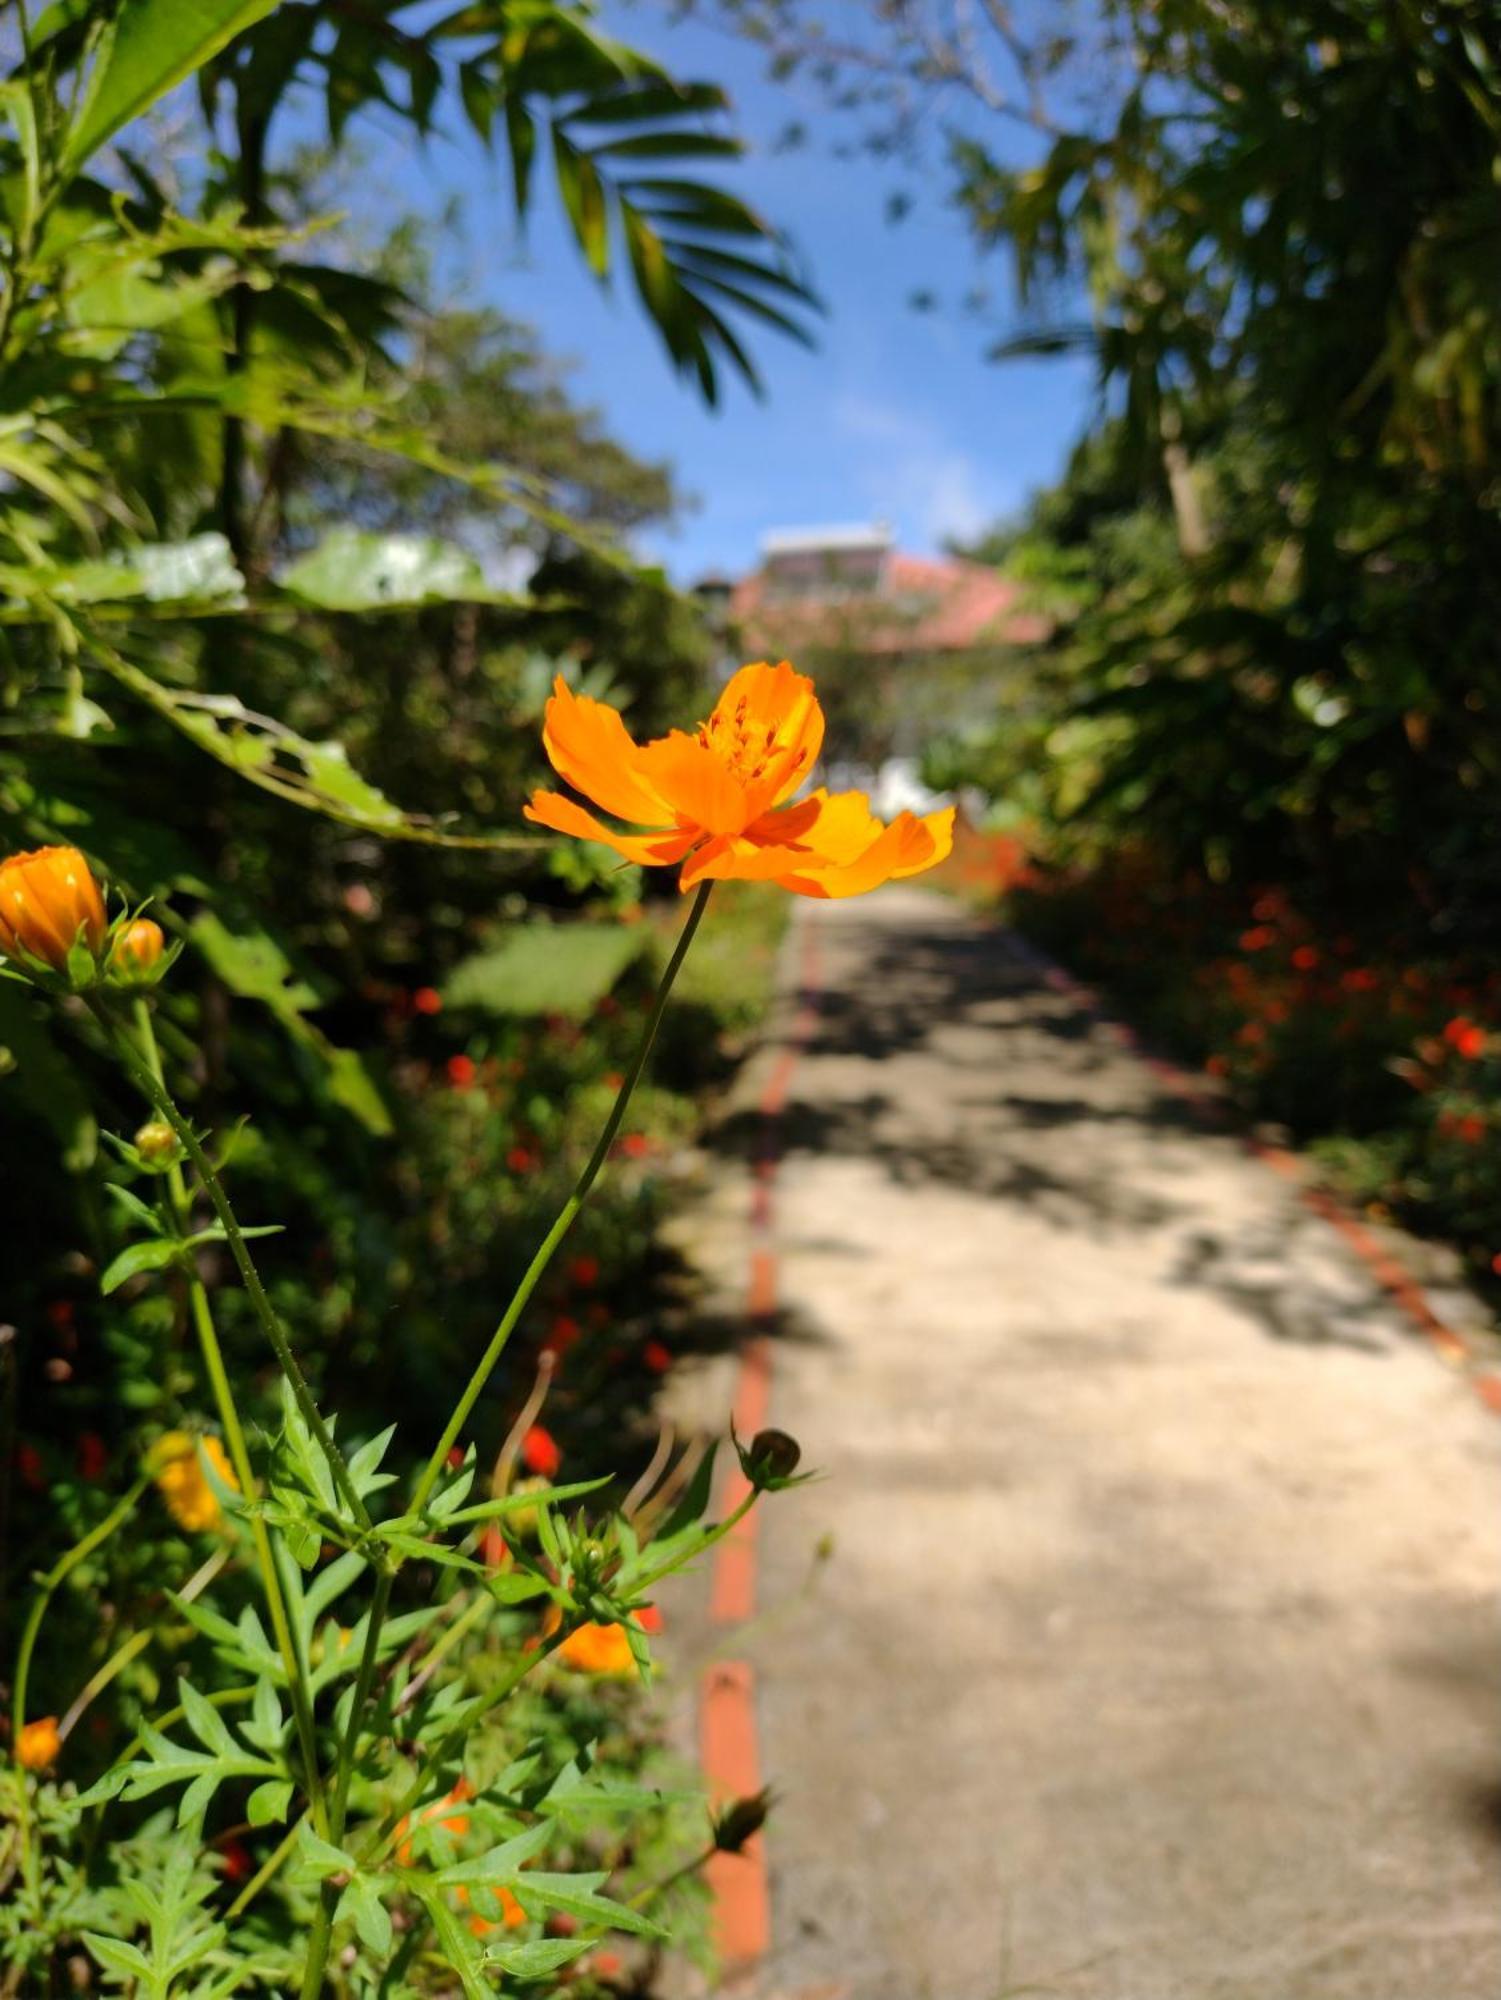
(39, 1745)
(137, 951)
(156, 1142)
(48, 900)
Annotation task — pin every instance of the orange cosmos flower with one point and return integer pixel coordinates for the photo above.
(445, 1812)
(48, 899)
(512, 1916)
(39, 1745)
(718, 801)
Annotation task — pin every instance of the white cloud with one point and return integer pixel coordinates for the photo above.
(906, 470)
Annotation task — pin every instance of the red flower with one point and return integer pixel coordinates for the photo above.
(1471, 1128)
(1360, 979)
(1465, 1037)
(649, 1618)
(1306, 957)
(455, 1457)
(584, 1270)
(1257, 939)
(461, 1071)
(561, 1335)
(428, 1000)
(1217, 1066)
(93, 1455)
(540, 1453)
(1496, 1263)
(521, 1159)
(29, 1468)
(635, 1145)
(237, 1860)
(657, 1357)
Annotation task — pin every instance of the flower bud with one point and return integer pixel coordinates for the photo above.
(38, 1746)
(137, 952)
(770, 1456)
(157, 1143)
(49, 902)
(740, 1821)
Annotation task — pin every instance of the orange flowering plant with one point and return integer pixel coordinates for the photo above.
(388, 1626)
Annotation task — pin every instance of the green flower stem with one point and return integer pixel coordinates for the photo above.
(549, 1244)
(155, 1089)
(466, 1620)
(121, 1511)
(146, 1065)
(269, 1867)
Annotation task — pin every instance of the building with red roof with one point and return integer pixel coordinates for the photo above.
(903, 646)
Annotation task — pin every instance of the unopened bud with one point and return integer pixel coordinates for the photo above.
(156, 1143)
(137, 951)
(740, 1821)
(771, 1455)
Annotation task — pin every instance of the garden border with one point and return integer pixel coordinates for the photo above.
(1399, 1283)
(729, 1746)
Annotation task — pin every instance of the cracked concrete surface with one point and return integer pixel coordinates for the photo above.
(1157, 1655)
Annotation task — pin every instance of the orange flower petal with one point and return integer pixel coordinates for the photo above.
(651, 849)
(776, 713)
(908, 846)
(588, 744)
(820, 831)
(705, 790)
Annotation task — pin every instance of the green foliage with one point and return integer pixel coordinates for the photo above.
(285, 553)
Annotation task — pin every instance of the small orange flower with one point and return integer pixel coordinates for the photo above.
(718, 801)
(599, 1649)
(512, 1916)
(183, 1483)
(48, 899)
(442, 1812)
(38, 1746)
(137, 949)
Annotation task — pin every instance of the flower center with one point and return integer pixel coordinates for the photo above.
(742, 746)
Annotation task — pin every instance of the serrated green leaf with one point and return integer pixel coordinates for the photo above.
(574, 1894)
(314, 1858)
(457, 1944)
(206, 1722)
(361, 1900)
(115, 1955)
(534, 1958)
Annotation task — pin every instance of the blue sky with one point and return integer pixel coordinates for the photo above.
(895, 415)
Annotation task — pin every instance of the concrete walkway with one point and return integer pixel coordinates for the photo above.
(1156, 1652)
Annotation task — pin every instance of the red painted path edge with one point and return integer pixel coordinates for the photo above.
(1383, 1264)
(728, 1744)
